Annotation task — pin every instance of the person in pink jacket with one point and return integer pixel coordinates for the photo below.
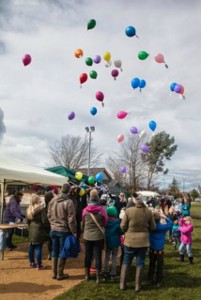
(186, 228)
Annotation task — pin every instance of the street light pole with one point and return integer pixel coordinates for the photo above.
(89, 130)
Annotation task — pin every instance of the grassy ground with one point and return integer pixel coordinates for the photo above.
(181, 281)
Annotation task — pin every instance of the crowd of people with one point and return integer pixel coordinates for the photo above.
(129, 228)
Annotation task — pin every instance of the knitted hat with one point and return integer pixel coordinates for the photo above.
(112, 211)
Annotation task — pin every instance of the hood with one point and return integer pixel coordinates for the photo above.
(93, 208)
(62, 197)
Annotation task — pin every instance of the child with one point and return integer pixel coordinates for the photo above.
(186, 229)
(38, 230)
(113, 233)
(156, 252)
(176, 234)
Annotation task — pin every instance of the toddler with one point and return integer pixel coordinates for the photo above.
(186, 228)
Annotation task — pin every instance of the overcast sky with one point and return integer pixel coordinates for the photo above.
(36, 100)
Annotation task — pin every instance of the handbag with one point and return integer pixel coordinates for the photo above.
(101, 229)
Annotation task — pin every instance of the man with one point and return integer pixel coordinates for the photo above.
(12, 214)
(62, 218)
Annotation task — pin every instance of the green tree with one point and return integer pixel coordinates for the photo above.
(174, 189)
(161, 148)
(194, 193)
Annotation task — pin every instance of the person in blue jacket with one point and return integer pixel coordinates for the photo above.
(186, 207)
(156, 251)
(113, 233)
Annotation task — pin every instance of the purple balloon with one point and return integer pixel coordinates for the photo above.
(144, 148)
(178, 88)
(71, 116)
(97, 59)
(134, 130)
(123, 170)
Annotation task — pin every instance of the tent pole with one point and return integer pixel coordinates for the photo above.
(2, 199)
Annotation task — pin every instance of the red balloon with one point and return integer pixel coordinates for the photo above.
(83, 78)
(99, 96)
(26, 59)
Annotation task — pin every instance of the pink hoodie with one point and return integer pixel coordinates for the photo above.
(94, 209)
(186, 232)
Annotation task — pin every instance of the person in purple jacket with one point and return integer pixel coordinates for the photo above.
(12, 213)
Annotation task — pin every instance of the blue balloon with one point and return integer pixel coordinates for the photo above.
(99, 177)
(84, 186)
(130, 31)
(135, 83)
(152, 125)
(142, 84)
(93, 111)
(172, 86)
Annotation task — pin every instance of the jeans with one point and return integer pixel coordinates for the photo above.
(114, 253)
(58, 240)
(93, 247)
(35, 250)
(130, 253)
(188, 249)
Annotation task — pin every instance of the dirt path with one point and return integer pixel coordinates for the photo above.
(18, 281)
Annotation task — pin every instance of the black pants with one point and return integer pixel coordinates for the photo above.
(156, 265)
(93, 247)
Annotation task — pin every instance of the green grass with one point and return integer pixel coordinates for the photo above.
(181, 281)
(18, 240)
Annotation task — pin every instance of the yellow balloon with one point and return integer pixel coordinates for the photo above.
(82, 192)
(78, 175)
(107, 56)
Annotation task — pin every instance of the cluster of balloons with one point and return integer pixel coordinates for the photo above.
(138, 83)
(177, 88)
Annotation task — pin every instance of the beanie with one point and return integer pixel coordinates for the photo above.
(112, 211)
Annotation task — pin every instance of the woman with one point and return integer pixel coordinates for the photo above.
(38, 230)
(94, 219)
(136, 224)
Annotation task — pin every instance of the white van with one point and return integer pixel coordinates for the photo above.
(147, 194)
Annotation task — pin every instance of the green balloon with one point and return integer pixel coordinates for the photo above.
(89, 61)
(91, 24)
(91, 180)
(93, 74)
(143, 55)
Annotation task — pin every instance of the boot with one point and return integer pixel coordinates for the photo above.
(123, 277)
(190, 260)
(138, 278)
(87, 274)
(181, 258)
(60, 269)
(54, 267)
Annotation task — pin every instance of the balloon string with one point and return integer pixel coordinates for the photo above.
(137, 36)
(80, 86)
(121, 69)
(102, 104)
(166, 66)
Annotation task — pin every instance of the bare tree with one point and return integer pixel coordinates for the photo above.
(72, 152)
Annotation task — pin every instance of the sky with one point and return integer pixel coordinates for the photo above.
(35, 100)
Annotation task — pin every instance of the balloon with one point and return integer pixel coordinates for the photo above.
(172, 86)
(107, 56)
(118, 64)
(83, 186)
(91, 180)
(135, 83)
(115, 73)
(152, 125)
(144, 148)
(121, 114)
(26, 59)
(142, 84)
(130, 31)
(97, 59)
(78, 175)
(93, 74)
(99, 96)
(99, 177)
(134, 130)
(123, 170)
(120, 138)
(178, 88)
(143, 55)
(83, 78)
(78, 53)
(182, 90)
(71, 116)
(159, 58)
(93, 111)
(91, 24)
(82, 192)
(89, 61)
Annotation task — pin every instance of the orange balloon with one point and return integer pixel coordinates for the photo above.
(78, 53)
(182, 90)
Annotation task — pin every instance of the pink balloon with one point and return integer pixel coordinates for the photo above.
(26, 59)
(121, 114)
(115, 73)
(159, 58)
(99, 96)
(120, 138)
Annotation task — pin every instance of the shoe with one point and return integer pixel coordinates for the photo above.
(32, 265)
(40, 267)
(158, 284)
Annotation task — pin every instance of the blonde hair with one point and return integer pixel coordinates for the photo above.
(93, 193)
(188, 218)
(34, 203)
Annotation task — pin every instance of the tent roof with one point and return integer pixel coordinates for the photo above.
(16, 172)
(66, 172)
